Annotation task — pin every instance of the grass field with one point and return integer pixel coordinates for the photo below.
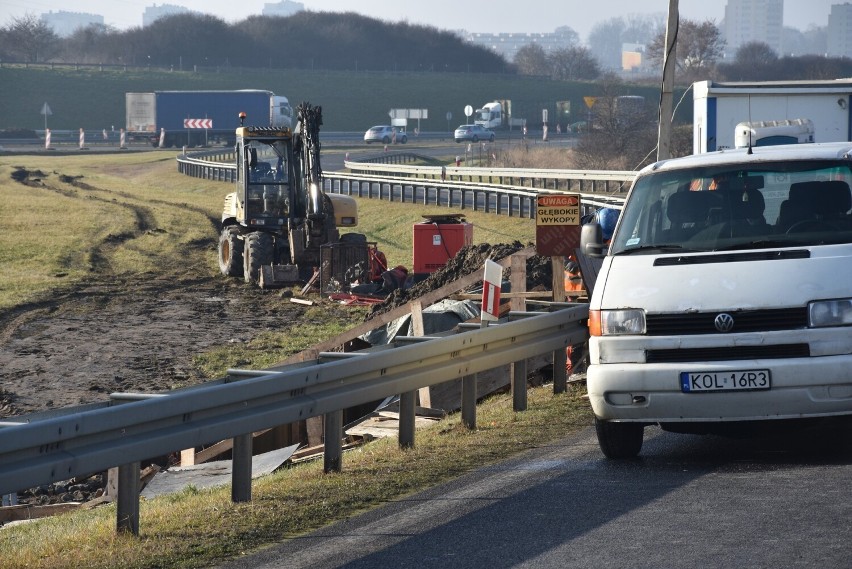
(81, 216)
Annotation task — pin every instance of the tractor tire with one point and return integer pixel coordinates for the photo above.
(230, 253)
(259, 250)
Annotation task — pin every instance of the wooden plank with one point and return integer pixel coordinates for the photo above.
(25, 512)
(518, 281)
(217, 449)
(417, 330)
(558, 269)
(478, 296)
(426, 300)
(302, 301)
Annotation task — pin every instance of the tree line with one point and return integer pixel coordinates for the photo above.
(306, 40)
(350, 41)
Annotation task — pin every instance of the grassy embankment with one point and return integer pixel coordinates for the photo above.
(114, 218)
(134, 216)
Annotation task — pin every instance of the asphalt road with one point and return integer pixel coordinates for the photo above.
(689, 501)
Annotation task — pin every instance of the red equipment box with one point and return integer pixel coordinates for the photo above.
(438, 239)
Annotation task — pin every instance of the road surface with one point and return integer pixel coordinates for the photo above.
(689, 502)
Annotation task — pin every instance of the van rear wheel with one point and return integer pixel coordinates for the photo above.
(619, 440)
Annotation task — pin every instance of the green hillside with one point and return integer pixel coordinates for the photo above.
(93, 98)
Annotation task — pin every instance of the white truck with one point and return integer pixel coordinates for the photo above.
(496, 114)
(724, 300)
(719, 107)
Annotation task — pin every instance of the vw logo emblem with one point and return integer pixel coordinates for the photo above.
(724, 322)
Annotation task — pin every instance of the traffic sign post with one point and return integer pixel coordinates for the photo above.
(468, 110)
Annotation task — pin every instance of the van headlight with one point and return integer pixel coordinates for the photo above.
(830, 313)
(617, 322)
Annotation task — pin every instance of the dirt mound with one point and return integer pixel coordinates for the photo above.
(468, 260)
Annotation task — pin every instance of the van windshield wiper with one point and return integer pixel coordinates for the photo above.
(661, 248)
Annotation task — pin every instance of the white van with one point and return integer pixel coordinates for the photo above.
(725, 295)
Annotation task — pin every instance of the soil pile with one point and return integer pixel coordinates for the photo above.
(468, 260)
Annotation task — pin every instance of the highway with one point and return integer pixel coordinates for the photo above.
(688, 501)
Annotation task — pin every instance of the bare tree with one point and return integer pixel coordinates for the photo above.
(699, 47)
(531, 59)
(573, 63)
(756, 53)
(30, 39)
(623, 131)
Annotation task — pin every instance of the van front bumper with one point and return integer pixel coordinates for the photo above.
(652, 393)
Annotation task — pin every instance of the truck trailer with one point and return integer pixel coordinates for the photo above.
(720, 107)
(201, 118)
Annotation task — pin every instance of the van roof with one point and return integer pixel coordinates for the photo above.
(788, 152)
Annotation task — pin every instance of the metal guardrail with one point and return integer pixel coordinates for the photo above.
(439, 185)
(604, 181)
(81, 441)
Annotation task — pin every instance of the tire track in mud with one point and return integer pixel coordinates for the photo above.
(145, 220)
(13, 319)
(138, 332)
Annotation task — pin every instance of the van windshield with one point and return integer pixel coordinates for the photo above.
(738, 207)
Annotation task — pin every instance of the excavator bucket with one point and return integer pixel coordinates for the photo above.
(277, 276)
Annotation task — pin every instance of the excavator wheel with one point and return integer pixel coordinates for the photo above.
(230, 253)
(259, 250)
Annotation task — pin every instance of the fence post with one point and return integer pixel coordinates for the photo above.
(560, 373)
(333, 429)
(241, 468)
(127, 503)
(519, 385)
(469, 401)
(407, 413)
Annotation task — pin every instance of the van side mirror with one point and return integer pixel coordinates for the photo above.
(591, 240)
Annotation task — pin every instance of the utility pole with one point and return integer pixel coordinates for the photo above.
(664, 137)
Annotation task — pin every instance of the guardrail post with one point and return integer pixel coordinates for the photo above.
(407, 413)
(560, 373)
(469, 401)
(241, 468)
(127, 502)
(332, 457)
(519, 385)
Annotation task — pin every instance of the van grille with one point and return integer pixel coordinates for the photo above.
(728, 353)
(744, 321)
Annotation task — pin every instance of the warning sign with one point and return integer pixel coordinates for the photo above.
(557, 224)
(558, 210)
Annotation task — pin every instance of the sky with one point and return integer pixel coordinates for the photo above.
(491, 16)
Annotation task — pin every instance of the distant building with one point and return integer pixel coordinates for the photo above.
(283, 8)
(748, 21)
(65, 23)
(508, 44)
(840, 30)
(154, 13)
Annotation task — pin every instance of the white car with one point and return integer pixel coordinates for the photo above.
(473, 133)
(724, 300)
(385, 134)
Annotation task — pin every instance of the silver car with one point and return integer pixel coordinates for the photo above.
(473, 133)
(385, 134)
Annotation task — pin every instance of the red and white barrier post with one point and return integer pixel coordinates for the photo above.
(47, 139)
(121, 139)
(491, 292)
(162, 138)
(82, 139)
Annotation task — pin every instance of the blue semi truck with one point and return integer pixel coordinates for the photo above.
(201, 118)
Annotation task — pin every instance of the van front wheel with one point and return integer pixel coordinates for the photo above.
(619, 440)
